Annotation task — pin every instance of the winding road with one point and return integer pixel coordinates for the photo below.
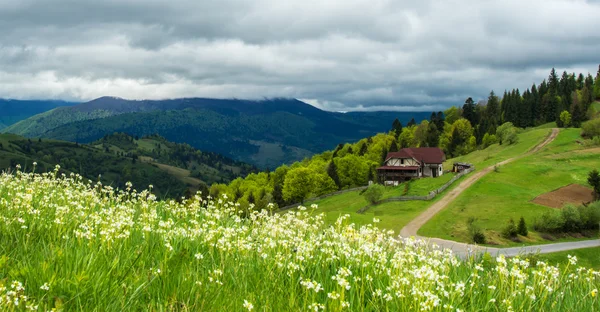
(464, 250)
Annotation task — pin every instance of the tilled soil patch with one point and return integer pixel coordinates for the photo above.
(570, 194)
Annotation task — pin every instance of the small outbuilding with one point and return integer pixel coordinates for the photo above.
(460, 166)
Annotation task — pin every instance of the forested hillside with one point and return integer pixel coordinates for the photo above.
(13, 111)
(266, 133)
(92, 163)
(458, 131)
(173, 169)
(208, 167)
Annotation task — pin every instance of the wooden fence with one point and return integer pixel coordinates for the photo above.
(430, 196)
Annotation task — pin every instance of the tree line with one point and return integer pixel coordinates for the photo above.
(458, 130)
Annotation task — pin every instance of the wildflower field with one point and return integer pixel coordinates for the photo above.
(71, 245)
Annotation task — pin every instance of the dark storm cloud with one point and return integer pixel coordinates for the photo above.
(339, 55)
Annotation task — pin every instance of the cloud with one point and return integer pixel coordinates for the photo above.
(342, 55)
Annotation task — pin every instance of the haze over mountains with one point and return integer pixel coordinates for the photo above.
(12, 111)
(265, 133)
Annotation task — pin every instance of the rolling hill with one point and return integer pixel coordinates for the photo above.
(173, 169)
(265, 133)
(13, 111)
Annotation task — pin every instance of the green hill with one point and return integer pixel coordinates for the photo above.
(180, 159)
(509, 192)
(13, 111)
(172, 169)
(266, 133)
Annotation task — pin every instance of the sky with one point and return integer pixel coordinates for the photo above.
(340, 55)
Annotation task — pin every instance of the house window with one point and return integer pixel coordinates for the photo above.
(440, 169)
(402, 161)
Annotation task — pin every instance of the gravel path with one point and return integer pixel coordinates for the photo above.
(463, 249)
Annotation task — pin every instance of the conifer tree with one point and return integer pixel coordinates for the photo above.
(433, 135)
(553, 82)
(412, 122)
(393, 147)
(332, 173)
(440, 121)
(597, 84)
(383, 156)
(580, 81)
(363, 149)
(397, 127)
(469, 111)
(492, 113)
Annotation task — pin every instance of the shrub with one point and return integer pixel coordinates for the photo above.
(550, 222)
(488, 139)
(507, 133)
(564, 120)
(590, 129)
(571, 219)
(374, 193)
(475, 232)
(594, 181)
(510, 230)
(522, 228)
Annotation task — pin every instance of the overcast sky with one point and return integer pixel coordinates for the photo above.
(334, 54)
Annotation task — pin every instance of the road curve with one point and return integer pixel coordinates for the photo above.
(462, 249)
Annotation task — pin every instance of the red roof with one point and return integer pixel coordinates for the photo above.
(400, 168)
(429, 155)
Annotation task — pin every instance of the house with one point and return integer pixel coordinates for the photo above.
(459, 166)
(409, 163)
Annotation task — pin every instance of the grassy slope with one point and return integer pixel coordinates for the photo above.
(587, 257)
(496, 153)
(508, 193)
(392, 216)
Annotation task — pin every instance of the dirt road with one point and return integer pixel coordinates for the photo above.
(463, 249)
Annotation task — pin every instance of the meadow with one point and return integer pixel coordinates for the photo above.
(68, 245)
(509, 191)
(395, 215)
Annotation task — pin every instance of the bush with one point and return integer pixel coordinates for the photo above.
(564, 120)
(571, 219)
(475, 232)
(590, 129)
(507, 133)
(488, 139)
(594, 181)
(550, 222)
(510, 231)
(374, 193)
(522, 228)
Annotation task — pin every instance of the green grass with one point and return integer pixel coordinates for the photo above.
(496, 153)
(587, 257)
(508, 193)
(65, 246)
(393, 215)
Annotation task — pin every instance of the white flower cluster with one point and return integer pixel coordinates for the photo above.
(323, 266)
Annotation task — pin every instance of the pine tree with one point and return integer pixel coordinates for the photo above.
(393, 147)
(535, 105)
(433, 135)
(383, 156)
(350, 151)
(597, 84)
(412, 122)
(580, 81)
(440, 121)
(577, 111)
(337, 150)
(589, 83)
(332, 173)
(492, 113)
(469, 111)
(363, 149)
(553, 82)
(397, 127)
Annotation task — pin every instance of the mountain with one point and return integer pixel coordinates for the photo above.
(13, 111)
(265, 133)
(173, 169)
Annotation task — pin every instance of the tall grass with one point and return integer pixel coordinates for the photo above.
(71, 245)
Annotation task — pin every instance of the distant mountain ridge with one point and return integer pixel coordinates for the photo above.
(13, 111)
(266, 133)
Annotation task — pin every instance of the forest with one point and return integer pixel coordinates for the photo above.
(459, 130)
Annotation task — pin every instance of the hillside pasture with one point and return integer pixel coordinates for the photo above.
(509, 192)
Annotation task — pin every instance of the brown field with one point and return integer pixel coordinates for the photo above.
(570, 194)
